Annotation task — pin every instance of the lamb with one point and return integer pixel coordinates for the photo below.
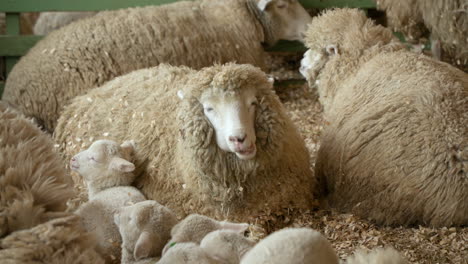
(145, 227)
(50, 21)
(61, 240)
(195, 227)
(187, 253)
(107, 172)
(377, 256)
(33, 181)
(225, 148)
(446, 20)
(294, 246)
(395, 145)
(90, 52)
(226, 246)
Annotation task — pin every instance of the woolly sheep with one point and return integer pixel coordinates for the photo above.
(145, 227)
(447, 21)
(293, 246)
(50, 21)
(107, 172)
(195, 227)
(180, 162)
(90, 52)
(187, 253)
(395, 145)
(62, 240)
(33, 183)
(377, 256)
(226, 246)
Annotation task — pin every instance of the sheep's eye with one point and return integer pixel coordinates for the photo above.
(281, 5)
(208, 109)
(92, 158)
(254, 103)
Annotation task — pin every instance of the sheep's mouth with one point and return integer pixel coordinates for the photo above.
(74, 167)
(247, 153)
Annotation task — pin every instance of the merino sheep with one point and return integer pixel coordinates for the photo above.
(226, 246)
(90, 52)
(145, 227)
(447, 20)
(377, 256)
(227, 149)
(33, 183)
(292, 246)
(50, 21)
(107, 172)
(395, 144)
(195, 227)
(187, 253)
(62, 240)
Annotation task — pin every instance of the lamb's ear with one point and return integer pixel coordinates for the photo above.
(121, 165)
(180, 94)
(128, 146)
(262, 4)
(142, 246)
(331, 49)
(238, 228)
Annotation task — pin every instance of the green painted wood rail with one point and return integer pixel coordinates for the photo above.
(13, 46)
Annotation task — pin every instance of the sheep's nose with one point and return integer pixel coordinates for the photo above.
(238, 139)
(73, 159)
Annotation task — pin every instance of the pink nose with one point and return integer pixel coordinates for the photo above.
(73, 159)
(237, 139)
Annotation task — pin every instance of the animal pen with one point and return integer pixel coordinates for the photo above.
(346, 232)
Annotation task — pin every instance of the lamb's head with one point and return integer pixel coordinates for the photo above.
(145, 228)
(282, 19)
(347, 30)
(105, 164)
(230, 103)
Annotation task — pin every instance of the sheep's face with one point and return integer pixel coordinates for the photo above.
(100, 158)
(314, 61)
(288, 19)
(232, 116)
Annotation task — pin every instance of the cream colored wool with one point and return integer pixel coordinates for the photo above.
(395, 142)
(33, 183)
(226, 246)
(187, 253)
(178, 162)
(292, 246)
(88, 53)
(377, 256)
(50, 21)
(447, 21)
(58, 241)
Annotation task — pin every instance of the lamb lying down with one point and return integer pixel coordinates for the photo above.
(107, 171)
(145, 228)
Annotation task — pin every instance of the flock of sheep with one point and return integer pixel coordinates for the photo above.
(167, 116)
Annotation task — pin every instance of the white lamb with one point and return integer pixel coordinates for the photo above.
(107, 172)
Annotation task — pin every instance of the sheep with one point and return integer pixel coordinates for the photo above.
(33, 180)
(90, 52)
(195, 227)
(187, 253)
(377, 256)
(230, 165)
(226, 246)
(395, 143)
(107, 172)
(50, 21)
(294, 246)
(145, 227)
(446, 20)
(62, 240)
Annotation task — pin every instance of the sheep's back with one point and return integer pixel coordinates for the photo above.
(396, 146)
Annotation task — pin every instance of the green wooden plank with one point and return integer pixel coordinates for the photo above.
(74, 5)
(290, 46)
(13, 23)
(338, 3)
(2, 87)
(91, 5)
(16, 45)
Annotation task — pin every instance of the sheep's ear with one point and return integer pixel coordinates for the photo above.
(271, 79)
(262, 4)
(128, 146)
(180, 94)
(142, 246)
(121, 165)
(239, 228)
(331, 49)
